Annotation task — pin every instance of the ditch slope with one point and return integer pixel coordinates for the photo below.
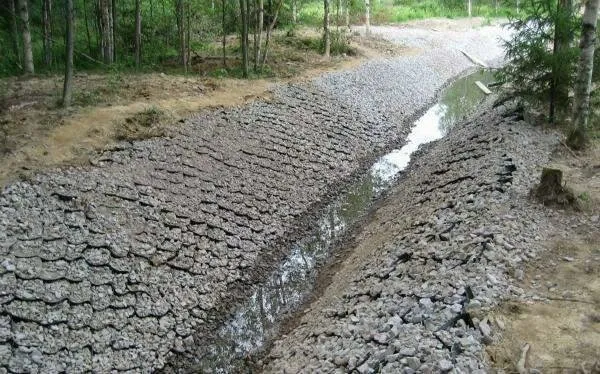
(420, 278)
(123, 265)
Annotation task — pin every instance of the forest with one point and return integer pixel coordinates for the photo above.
(162, 34)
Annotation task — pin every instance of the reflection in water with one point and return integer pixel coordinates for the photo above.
(257, 320)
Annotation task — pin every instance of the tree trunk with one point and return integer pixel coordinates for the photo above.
(69, 46)
(164, 17)
(326, 36)
(26, 35)
(248, 21)
(113, 28)
(244, 39)
(138, 33)
(188, 36)
(469, 6)
(98, 27)
(14, 31)
(583, 82)
(338, 5)
(294, 11)
(559, 86)
(550, 190)
(269, 30)
(105, 29)
(260, 8)
(367, 17)
(224, 41)
(496, 7)
(347, 13)
(518, 7)
(46, 17)
(180, 18)
(87, 28)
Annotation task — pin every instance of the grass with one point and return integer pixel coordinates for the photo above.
(396, 11)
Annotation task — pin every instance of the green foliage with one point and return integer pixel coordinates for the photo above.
(340, 45)
(532, 65)
(406, 10)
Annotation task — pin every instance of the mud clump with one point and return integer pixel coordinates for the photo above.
(144, 125)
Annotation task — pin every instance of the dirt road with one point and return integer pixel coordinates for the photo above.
(124, 265)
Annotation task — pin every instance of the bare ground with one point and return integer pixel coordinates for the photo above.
(562, 326)
(35, 133)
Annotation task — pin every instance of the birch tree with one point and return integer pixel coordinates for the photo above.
(244, 40)
(258, 32)
(224, 39)
(28, 67)
(69, 46)
(269, 31)
(106, 30)
(180, 20)
(347, 13)
(583, 82)
(326, 31)
(367, 17)
(138, 33)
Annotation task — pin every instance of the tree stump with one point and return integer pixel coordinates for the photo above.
(550, 190)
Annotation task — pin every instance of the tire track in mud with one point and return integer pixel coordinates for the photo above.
(124, 265)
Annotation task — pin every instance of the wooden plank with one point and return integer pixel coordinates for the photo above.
(483, 88)
(474, 59)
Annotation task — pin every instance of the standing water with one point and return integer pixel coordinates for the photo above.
(257, 321)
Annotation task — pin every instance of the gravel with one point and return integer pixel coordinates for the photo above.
(124, 265)
(433, 292)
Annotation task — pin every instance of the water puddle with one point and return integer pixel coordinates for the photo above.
(257, 321)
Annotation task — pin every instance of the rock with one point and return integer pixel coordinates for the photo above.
(519, 274)
(380, 338)
(341, 360)
(426, 303)
(486, 331)
(413, 362)
(364, 368)
(406, 351)
(8, 265)
(445, 365)
(492, 279)
(500, 323)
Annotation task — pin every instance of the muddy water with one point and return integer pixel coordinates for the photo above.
(257, 321)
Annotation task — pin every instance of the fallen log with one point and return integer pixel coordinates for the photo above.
(475, 60)
(483, 88)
